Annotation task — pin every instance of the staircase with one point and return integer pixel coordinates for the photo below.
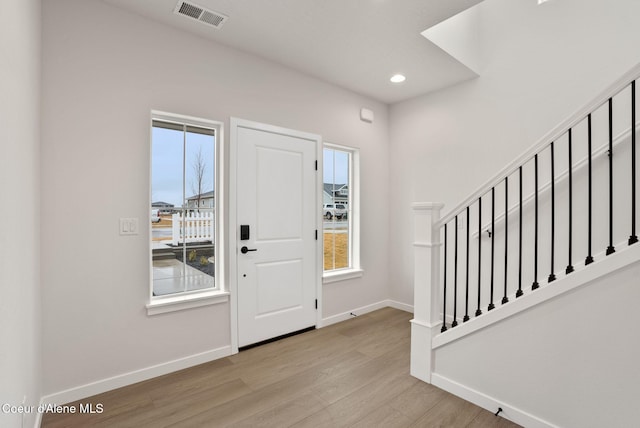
(524, 292)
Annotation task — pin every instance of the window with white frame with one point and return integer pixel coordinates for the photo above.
(340, 210)
(183, 205)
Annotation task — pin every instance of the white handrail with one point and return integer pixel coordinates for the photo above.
(552, 135)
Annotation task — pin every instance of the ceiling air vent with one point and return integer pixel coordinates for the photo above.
(209, 17)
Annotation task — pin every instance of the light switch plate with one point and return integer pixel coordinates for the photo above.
(129, 226)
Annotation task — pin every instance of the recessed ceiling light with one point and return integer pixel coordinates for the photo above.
(397, 78)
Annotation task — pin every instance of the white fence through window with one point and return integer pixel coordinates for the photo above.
(193, 227)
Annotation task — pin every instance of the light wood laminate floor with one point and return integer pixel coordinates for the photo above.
(351, 374)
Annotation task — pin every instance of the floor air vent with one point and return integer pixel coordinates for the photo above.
(201, 14)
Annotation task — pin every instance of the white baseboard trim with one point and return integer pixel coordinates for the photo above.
(104, 385)
(365, 309)
(489, 403)
(401, 306)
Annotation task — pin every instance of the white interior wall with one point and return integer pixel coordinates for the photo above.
(569, 362)
(540, 64)
(20, 320)
(103, 74)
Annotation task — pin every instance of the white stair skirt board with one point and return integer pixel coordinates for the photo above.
(489, 403)
(365, 309)
(118, 381)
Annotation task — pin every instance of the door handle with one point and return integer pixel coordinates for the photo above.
(245, 250)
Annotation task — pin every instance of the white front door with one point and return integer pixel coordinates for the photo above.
(276, 222)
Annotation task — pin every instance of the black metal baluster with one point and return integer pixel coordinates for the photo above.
(535, 284)
(505, 299)
(466, 297)
(570, 265)
(493, 236)
(633, 238)
(519, 292)
(589, 258)
(552, 275)
(444, 304)
(478, 311)
(610, 249)
(455, 277)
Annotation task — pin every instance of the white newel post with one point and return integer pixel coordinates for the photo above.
(426, 276)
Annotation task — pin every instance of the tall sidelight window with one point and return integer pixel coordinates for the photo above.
(339, 208)
(183, 205)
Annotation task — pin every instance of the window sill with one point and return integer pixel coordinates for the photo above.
(341, 275)
(161, 305)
